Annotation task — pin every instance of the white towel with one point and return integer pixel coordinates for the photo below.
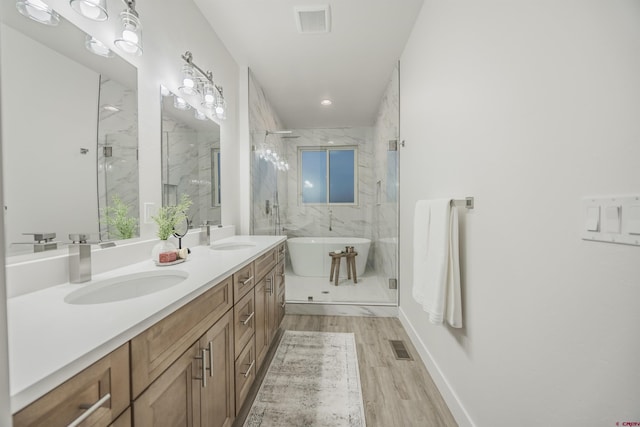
(436, 266)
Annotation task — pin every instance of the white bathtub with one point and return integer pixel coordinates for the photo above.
(310, 255)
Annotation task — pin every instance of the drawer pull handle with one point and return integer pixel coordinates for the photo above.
(245, 321)
(210, 368)
(247, 280)
(246, 374)
(93, 408)
(204, 367)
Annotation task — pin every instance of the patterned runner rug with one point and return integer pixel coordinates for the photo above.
(313, 380)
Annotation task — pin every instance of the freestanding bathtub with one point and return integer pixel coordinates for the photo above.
(310, 255)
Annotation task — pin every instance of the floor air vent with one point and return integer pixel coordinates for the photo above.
(400, 350)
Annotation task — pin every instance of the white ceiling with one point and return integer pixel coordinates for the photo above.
(351, 65)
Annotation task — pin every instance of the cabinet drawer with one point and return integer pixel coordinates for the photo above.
(265, 263)
(245, 374)
(282, 251)
(155, 349)
(243, 282)
(105, 381)
(244, 321)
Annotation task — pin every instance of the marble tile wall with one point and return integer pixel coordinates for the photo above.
(118, 174)
(346, 220)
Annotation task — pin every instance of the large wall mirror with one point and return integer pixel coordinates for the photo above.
(69, 134)
(190, 159)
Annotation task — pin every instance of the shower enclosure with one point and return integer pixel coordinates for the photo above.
(325, 188)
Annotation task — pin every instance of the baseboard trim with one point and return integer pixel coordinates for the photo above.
(450, 397)
(316, 309)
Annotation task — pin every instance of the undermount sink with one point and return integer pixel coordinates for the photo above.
(232, 246)
(126, 287)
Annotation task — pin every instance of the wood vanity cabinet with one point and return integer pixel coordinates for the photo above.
(198, 388)
(100, 392)
(159, 346)
(194, 367)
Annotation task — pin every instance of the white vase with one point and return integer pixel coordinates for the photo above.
(161, 247)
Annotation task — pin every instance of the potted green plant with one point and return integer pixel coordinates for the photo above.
(168, 218)
(121, 225)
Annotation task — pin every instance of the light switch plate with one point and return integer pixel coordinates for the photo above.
(619, 219)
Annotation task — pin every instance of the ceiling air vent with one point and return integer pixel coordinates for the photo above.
(313, 19)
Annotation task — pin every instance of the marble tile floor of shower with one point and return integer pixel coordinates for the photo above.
(370, 289)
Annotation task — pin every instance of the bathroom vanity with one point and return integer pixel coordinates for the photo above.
(186, 355)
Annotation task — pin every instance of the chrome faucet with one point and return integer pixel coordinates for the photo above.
(205, 233)
(80, 257)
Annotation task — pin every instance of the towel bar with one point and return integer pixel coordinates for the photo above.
(467, 202)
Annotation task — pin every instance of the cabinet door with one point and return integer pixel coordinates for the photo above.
(101, 391)
(272, 312)
(280, 276)
(217, 399)
(280, 308)
(262, 319)
(159, 346)
(173, 400)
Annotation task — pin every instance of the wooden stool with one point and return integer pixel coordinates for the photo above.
(351, 266)
(335, 266)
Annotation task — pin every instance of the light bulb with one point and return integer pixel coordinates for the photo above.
(38, 11)
(130, 41)
(96, 46)
(95, 10)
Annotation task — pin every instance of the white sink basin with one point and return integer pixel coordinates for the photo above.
(232, 246)
(126, 287)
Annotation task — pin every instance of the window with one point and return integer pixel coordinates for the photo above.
(328, 175)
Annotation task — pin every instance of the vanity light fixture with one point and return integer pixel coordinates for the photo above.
(189, 81)
(38, 11)
(200, 115)
(196, 81)
(95, 10)
(180, 103)
(94, 45)
(130, 40)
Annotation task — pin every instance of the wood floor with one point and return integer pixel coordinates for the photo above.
(396, 393)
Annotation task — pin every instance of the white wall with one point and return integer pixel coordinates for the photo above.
(168, 32)
(5, 410)
(528, 106)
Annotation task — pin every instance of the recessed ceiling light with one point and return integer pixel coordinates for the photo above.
(326, 102)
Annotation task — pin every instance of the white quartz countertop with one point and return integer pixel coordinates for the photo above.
(51, 340)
